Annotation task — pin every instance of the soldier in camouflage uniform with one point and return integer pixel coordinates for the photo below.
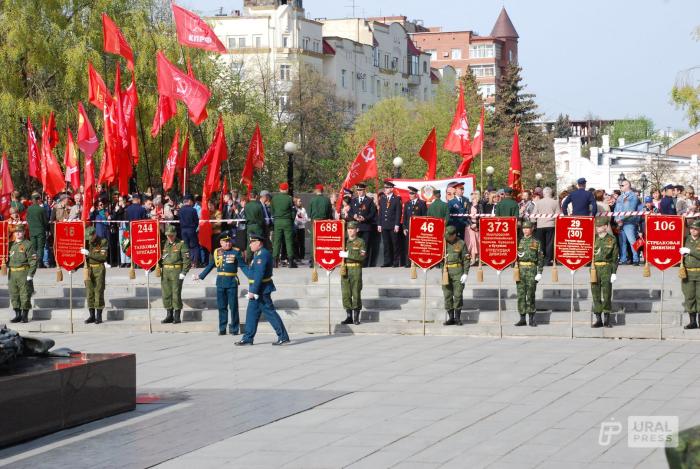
(531, 263)
(457, 262)
(351, 282)
(605, 261)
(22, 263)
(691, 284)
(687, 454)
(95, 257)
(175, 260)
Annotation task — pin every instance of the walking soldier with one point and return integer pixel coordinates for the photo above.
(691, 284)
(530, 265)
(95, 257)
(22, 264)
(351, 281)
(457, 261)
(605, 261)
(176, 263)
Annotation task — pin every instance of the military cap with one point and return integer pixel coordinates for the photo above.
(89, 231)
(225, 237)
(256, 237)
(346, 191)
(507, 190)
(668, 186)
(36, 196)
(528, 224)
(284, 186)
(602, 221)
(450, 230)
(695, 225)
(412, 190)
(136, 195)
(187, 197)
(352, 225)
(581, 181)
(361, 185)
(170, 230)
(436, 191)
(319, 187)
(455, 184)
(388, 184)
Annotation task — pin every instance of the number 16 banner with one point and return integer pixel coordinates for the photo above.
(664, 239)
(573, 246)
(426, 241)
(145, 243)
(498, 238)
(329, 239)
(69, 239)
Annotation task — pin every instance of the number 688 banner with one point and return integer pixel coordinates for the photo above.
(499, 241)
(426, 241)
(329, 239)
(664, 239)
(145, 243)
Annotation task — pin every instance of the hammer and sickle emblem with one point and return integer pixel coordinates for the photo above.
(368, 154)
(181, 87)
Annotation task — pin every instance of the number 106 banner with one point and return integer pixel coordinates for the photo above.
(664, 239)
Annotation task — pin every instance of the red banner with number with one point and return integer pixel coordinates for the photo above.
(664, 239)
(145, 243)
(69, 239)
(4, 242)
(573, 241)
(329, 239)
(426, 241)
(498, 237)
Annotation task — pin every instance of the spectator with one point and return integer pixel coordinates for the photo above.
(548, 207)
(135, 211)
(60, 210)
(300, 221)
(76, 210)
(629, 224)
(667, 206)
(189, 225)
(100, 217)
(681, 202)
(582, 201)
(38, 224)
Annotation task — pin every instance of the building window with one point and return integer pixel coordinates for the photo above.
(487, 90)
(241, 42)
(482, 51)
(231, 42)
(283, 103)
(510, 56)
(379, 89)
(363, 84)
(285, 72)
(425, 67)
(394, 63)
(433, 54)
(413, 64)
(483, 70)
(386, 61)
(375, 56)
(456, 54)
(305, 43)
(342, 77)
(285, 41)
(257, 41)
(317, 46)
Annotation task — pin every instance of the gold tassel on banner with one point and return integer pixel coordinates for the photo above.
(682, 271)
(132, 272)
(480, 274)
(3, 269)
(516, 273)
(158, 272)
(647, 270)
(414, 271)
(445, 275)
(555, 273)
(314, 272)
(594, 275)
(59, 274)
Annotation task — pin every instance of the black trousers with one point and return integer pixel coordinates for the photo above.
(299, 246)
(546, 239)
(390, 241)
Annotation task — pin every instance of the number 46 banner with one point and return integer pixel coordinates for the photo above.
(664, 239)
(426, 241)
(329, 240)
(145, 243)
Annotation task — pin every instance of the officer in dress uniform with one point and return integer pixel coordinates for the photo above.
(364, 212)
(95, 257)
(225, 259)
(176, 263)
(260, 288)
(351, 283)
(22, 263)
(414, 207)
(691, 284)
(457, 262)
(389, 225)
(605, 261)
(530, 263)
(458, 207)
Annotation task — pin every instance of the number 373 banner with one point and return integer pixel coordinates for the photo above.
(664, 240)
(499, 241)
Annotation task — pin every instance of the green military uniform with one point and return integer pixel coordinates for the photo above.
(38, 223)
(531, 263)
(254, 222)
(457, 261)
(16, 204)
(95, 281)
(282, 207)
(351, 282)
(439, 209)
(687, 454)
(507, 207)
(605, 260)
(175, 260)
(22, 263)
(690, 286)
(320, 208)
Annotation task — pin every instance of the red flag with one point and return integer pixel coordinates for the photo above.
(108, 168)
(166, 110)
(466, 163)
(52, 176)
(113, 41)
(32, 151)
(53, 131)
(87, 140)
(70, 161)
(429, 153)
(364, 167)
(6, 187)
(223, 191)
(119, 121)
(460, 128)
(212, 159)
(205, 229)
(120, 143)
(203, 116)
(192, 31)
(255, 159)
(130, 101)
(171, 163)
(182, 163)
(515, 170)
(478, 142)
(89, 180)
(176, 84)
(97, 90)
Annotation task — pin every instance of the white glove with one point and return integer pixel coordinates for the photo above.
(256, 296)
(84, 252)
(29, 278)
(343, 254)
(684, 251)
(181, 276)
(613, 277)
(253, 296)
(379, 229)
(463, 279)
(107, 266)
(538, 277)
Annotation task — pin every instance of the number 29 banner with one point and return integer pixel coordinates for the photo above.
(499, 241)
(573, 247)
(145, 243)
(426, 241)
(664, 239)
(329, 239)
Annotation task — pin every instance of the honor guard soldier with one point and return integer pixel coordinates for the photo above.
(389, 225)
(260, 288)
(605, 261)
(414, 207)
(507, 207)
(530, 264)
(459, 206)
(176, 263)
(457, 262)
(22, 263)
(438, 208)
(254, 218)
(351, 281)
(282, 207)
(95, 257)
(320, 208)
(364, 212)
(691, 284)
(225, 259)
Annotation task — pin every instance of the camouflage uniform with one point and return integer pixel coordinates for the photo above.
(687, 454)
(605, 261)
(22, 263)
(95, 281)
(691, 284)
(176, 261)
(351, 282)
(530, 263)
(457, 262)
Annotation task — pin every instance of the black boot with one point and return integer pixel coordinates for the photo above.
(533, 323)
(606, 320)
(458, 317)
(98, 316)
(168, 317)
(598, 321)
(91, 319)
(450, 318)
(522, 321)
(292, 264)
(348, 318)
(693, 324)
(18, 316)
(25, 315)
(176, 317)
(356, 317)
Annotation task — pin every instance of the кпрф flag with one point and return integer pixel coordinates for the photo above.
(192, 31)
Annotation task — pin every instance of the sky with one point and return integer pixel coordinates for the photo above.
(607, 58)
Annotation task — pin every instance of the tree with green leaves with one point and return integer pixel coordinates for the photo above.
(686, 92)
(562, 127)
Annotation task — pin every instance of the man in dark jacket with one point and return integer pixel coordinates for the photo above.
(415, 207)
(189, 224)
(582, 201)
(390, 224)
(364, 212)
(38, 223)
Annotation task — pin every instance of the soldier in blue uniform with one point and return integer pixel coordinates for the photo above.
(260, 288)
(582, 201)
(458, 206)
(225, 259)
(667, 206)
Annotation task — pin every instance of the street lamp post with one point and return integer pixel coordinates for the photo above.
(621, 179)
(538, 177)
(489, 172)
(644, 182)
(398, 162)
(290, 148)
